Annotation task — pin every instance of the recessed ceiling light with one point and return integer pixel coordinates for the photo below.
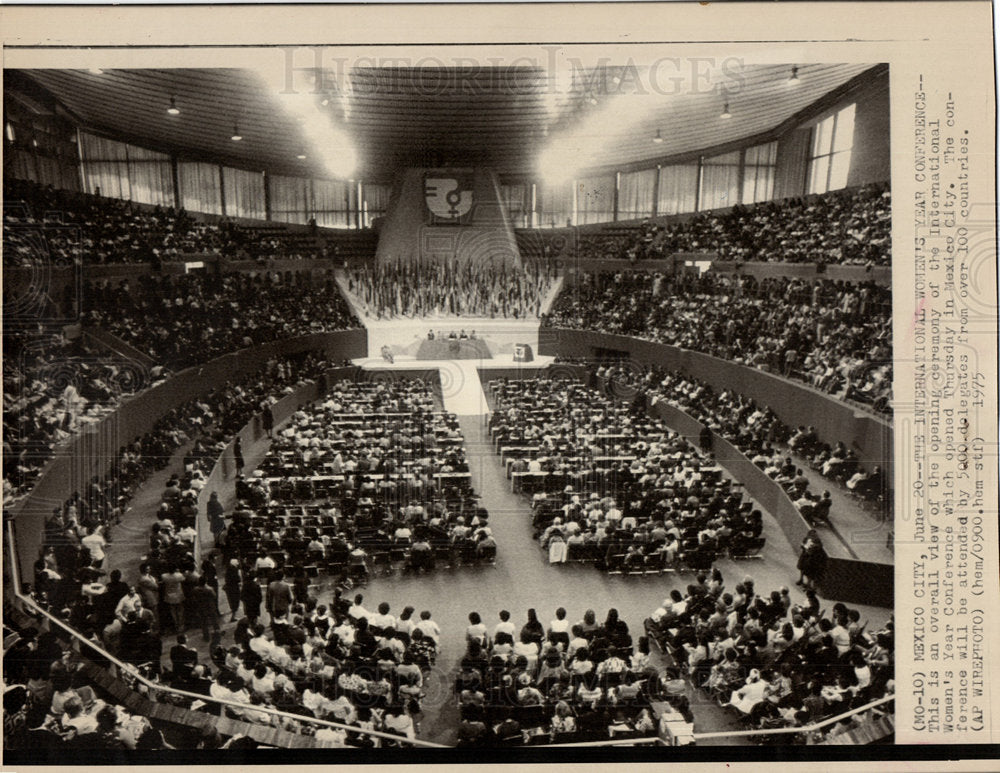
(301, 156)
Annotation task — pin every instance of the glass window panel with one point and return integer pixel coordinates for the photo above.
(724, 159)
(289, 198)
(844, 139)
(818, 174)
(823, 137)
(839, 165)
(555, 204)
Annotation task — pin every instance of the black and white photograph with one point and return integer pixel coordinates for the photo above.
(531, 402)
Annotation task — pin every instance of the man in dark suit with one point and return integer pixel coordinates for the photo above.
(279, 596)
(182, 658)
(251, 596)
(205, 606)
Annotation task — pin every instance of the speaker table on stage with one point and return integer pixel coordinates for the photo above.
(523, 353)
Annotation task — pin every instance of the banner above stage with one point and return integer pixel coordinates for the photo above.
(451, 215)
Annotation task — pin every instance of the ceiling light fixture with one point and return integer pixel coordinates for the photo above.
(236, 134)
(658, 138)
(593, 100)
(794, 77)
(725, 112)
(173, 109)
(96, 70)
(301, 156)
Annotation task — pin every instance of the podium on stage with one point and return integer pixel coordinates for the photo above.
(523, 353)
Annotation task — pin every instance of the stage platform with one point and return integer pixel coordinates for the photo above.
(404, 336)
(408, 362)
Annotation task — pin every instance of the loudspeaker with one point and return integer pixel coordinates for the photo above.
(523, 353)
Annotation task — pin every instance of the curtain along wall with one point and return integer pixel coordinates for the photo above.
(749, 175)
(119, 170)
(595, 199)
(745, 176)
(516, 199)
(636, 193)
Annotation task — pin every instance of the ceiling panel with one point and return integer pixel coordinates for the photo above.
(411, 117)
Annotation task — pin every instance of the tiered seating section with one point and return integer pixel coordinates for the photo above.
(614, 487)
(185, 320)
(78, 530)
(773, 663)
(43, 226)
(370, 479)
(832, 335)
(561, 683)
(312, 661)
(762, 437)
(53, 388)
(847, 227)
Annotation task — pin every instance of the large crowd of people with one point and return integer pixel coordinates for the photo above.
(185, 320)
(615, 487)
(78, 531)
(846, 227)
(835, 336)
(52, 708)
(45, 226)
(339, 662)
(368, 478)
(772, 662)
(53, 388)
(432, 288)
(374, 478)
(762, 437)
(562, 683)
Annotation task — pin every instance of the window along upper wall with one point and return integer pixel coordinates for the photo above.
(830, 153)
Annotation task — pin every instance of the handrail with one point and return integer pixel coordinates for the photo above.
(650, 740)
(389, 736)
(805, 729)
(131, 670)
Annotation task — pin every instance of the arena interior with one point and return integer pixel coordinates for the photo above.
(436, 408)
